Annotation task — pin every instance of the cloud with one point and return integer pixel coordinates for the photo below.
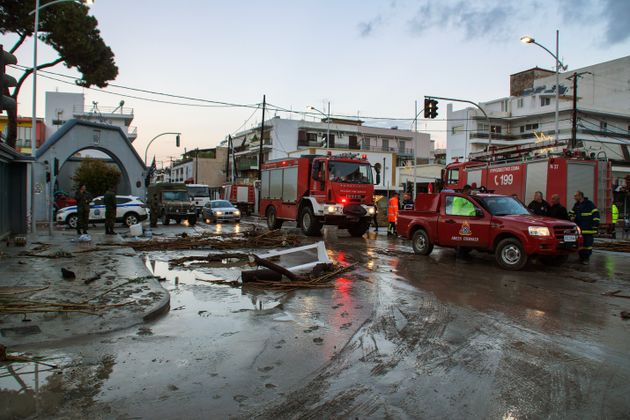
(490, 19)
(366, 28)
(617, 17)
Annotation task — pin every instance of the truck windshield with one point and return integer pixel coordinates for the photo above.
(198, 191)
(350, 172)
(175, 196)
(504, 206)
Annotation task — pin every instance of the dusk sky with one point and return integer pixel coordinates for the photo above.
(373, 58)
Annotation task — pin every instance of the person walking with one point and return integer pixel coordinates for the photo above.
(83, 209)
(110, 211)
(538, 206)
(586, 216)
(614, 210)
(392, 214)
(154, 208)
(557, 210)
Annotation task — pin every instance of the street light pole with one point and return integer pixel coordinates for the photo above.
(559, 65)
(38, 7)
(151, 141)
(328, 119)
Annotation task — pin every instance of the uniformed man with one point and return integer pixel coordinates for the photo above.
(538, 206)
(110, 211)
(154, 209)
(83, 209)
(614, 210)
(586, 216)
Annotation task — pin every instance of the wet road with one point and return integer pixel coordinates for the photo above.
(402, 336)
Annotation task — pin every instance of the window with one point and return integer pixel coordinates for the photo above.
(483, 127)
(545, 101)
(519, 103)
(453, 176)
(311, 137)
(504, 106)
(530, 127)
(459, 206)
(365, 143)
(496, 129)
(522, 128)
(385, 144)
(97, 202)
(401, 146)
(603, 125)
(122, 200)
(456, 129)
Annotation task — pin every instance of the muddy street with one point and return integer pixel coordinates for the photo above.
(401, 336)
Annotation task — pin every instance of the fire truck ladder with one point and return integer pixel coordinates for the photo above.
(508, 151)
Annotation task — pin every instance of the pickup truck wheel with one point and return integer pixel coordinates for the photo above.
(308, 223)
(272, 220)
(421, 243)
(510, 254)
(357, 230)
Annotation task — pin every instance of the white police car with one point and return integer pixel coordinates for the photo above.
(129, 211)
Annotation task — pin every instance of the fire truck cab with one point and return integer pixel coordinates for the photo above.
(317, 190)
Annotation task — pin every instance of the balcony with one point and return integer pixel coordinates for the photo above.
(132, 133)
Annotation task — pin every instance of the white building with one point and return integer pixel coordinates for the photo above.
(64, 106)
(391, 147)
(527, 116)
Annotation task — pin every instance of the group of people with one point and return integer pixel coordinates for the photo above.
(84, 198)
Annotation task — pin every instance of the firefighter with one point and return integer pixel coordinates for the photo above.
(110, 211)
(154, 208)
(392, 214)
(586, 216)
(83, 209)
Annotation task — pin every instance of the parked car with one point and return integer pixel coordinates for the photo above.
(129, 211)
(220, 211)
(62, 199)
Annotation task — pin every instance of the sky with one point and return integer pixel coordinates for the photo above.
(367, 57)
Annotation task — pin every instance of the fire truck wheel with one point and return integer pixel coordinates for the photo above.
(308, 223)
(421, 243)
(272, 221)
(510, 254)
(357, 230)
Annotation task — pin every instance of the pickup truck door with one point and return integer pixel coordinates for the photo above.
(459, 224)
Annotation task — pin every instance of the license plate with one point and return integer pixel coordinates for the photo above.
(569, 238)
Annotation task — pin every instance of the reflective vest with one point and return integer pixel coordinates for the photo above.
(615, 214)
(392, 210)
(586, 216)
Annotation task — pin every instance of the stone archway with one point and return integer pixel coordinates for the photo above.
(77, 135)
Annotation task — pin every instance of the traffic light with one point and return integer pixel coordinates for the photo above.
(427, 107)
(177, 140)
(6, 81)
(433, 109)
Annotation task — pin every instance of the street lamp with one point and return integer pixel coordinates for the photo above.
(327, 119)
(159, 135)
(529, 40)
(34, 117)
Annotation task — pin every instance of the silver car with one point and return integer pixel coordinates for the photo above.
(215, 211)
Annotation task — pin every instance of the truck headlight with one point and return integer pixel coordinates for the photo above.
(538, 231)
(371, 210)
(331, 209)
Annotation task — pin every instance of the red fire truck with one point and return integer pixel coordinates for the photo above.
(562, 175)
(319, 190)
(242, 196)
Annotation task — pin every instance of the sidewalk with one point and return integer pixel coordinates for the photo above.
(119, 278)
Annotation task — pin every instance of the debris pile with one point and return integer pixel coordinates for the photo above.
(321, 277)
(255, 237)
(619, 246)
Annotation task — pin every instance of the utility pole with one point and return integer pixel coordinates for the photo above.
(196, 165)
(262, 132)
(227, 160)
(574, 77)
(415, 144)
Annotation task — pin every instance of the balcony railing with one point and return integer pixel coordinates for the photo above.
(100, 110)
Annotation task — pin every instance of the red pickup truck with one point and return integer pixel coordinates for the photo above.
(488, 223)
